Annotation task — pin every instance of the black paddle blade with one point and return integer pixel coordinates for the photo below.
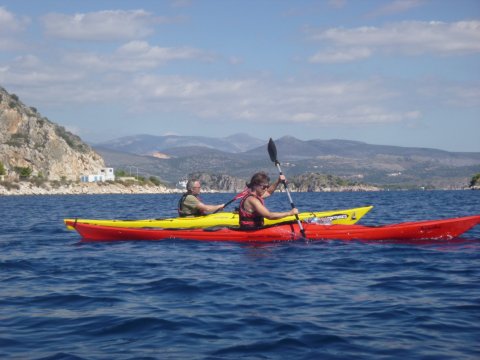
(272, 151)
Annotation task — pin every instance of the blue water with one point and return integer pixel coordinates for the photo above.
(61, 298)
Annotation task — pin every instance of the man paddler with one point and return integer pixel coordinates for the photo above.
(190, 204)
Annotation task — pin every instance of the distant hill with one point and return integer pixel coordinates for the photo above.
(293, 148)
(390, 166)
(29, 140)
(150, 144)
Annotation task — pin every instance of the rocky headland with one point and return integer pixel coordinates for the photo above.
(32, 145)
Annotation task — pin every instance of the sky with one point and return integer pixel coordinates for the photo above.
(391, 72)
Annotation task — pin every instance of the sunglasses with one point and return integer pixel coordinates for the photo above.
(264, 186)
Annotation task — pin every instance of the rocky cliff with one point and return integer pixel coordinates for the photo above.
(309, 182)
(30, 141)
(219, 182)
(314, 182)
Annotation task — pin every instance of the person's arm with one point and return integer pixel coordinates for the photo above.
(209, 208)
(263, 211)
(274, 186)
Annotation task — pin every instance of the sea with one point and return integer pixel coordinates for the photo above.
(64, 298)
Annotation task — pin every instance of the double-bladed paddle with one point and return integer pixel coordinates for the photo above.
(272, 151)
(238, 196)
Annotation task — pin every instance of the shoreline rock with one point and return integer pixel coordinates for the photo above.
(26, 188)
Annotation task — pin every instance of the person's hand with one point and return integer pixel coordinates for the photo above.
(294, 211)
(282, 178)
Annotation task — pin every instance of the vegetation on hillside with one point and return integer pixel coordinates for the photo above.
(72, 140)
(24, 172)
(311, 182)
(475, 182)
(142, 180)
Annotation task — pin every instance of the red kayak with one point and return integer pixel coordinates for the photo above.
(431, 229)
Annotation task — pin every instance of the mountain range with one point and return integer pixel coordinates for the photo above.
(31, 143)
(150, 144)
(173, 157)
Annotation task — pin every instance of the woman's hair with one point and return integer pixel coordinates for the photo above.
(258, 178)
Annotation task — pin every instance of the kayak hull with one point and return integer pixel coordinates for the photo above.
(444, 229)
(345, 216)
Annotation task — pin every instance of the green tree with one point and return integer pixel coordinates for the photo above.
(120, 173)
(23, 172)
(154, 180)
(2, 169)
(475, 180)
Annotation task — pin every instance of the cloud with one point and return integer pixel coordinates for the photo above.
(340, 55)
(304, 117)
(254, 100)
(235, 60)
(337, 3)
(396, 7)
(105, 25)
(462, 96)
(136, 56)
(141, 50)
(127, 78)
(30, 71)
(10, 26)
(10, 23)
(405, 38)
(181, 3)
(190, 89)
(267, 101)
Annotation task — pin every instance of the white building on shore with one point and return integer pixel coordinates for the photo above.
(105, 174)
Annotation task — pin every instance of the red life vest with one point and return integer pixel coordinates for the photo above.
(250, 220)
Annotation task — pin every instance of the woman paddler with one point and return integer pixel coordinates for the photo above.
(252, 210)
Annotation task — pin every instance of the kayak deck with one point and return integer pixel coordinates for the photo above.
(344, 216)
(443, 229)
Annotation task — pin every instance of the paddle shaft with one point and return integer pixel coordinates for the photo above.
(238, 196)
(226, 204)
(290, 198)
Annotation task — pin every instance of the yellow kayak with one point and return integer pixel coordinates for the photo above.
(345, 217)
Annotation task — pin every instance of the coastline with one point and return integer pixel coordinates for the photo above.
(27, 188)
